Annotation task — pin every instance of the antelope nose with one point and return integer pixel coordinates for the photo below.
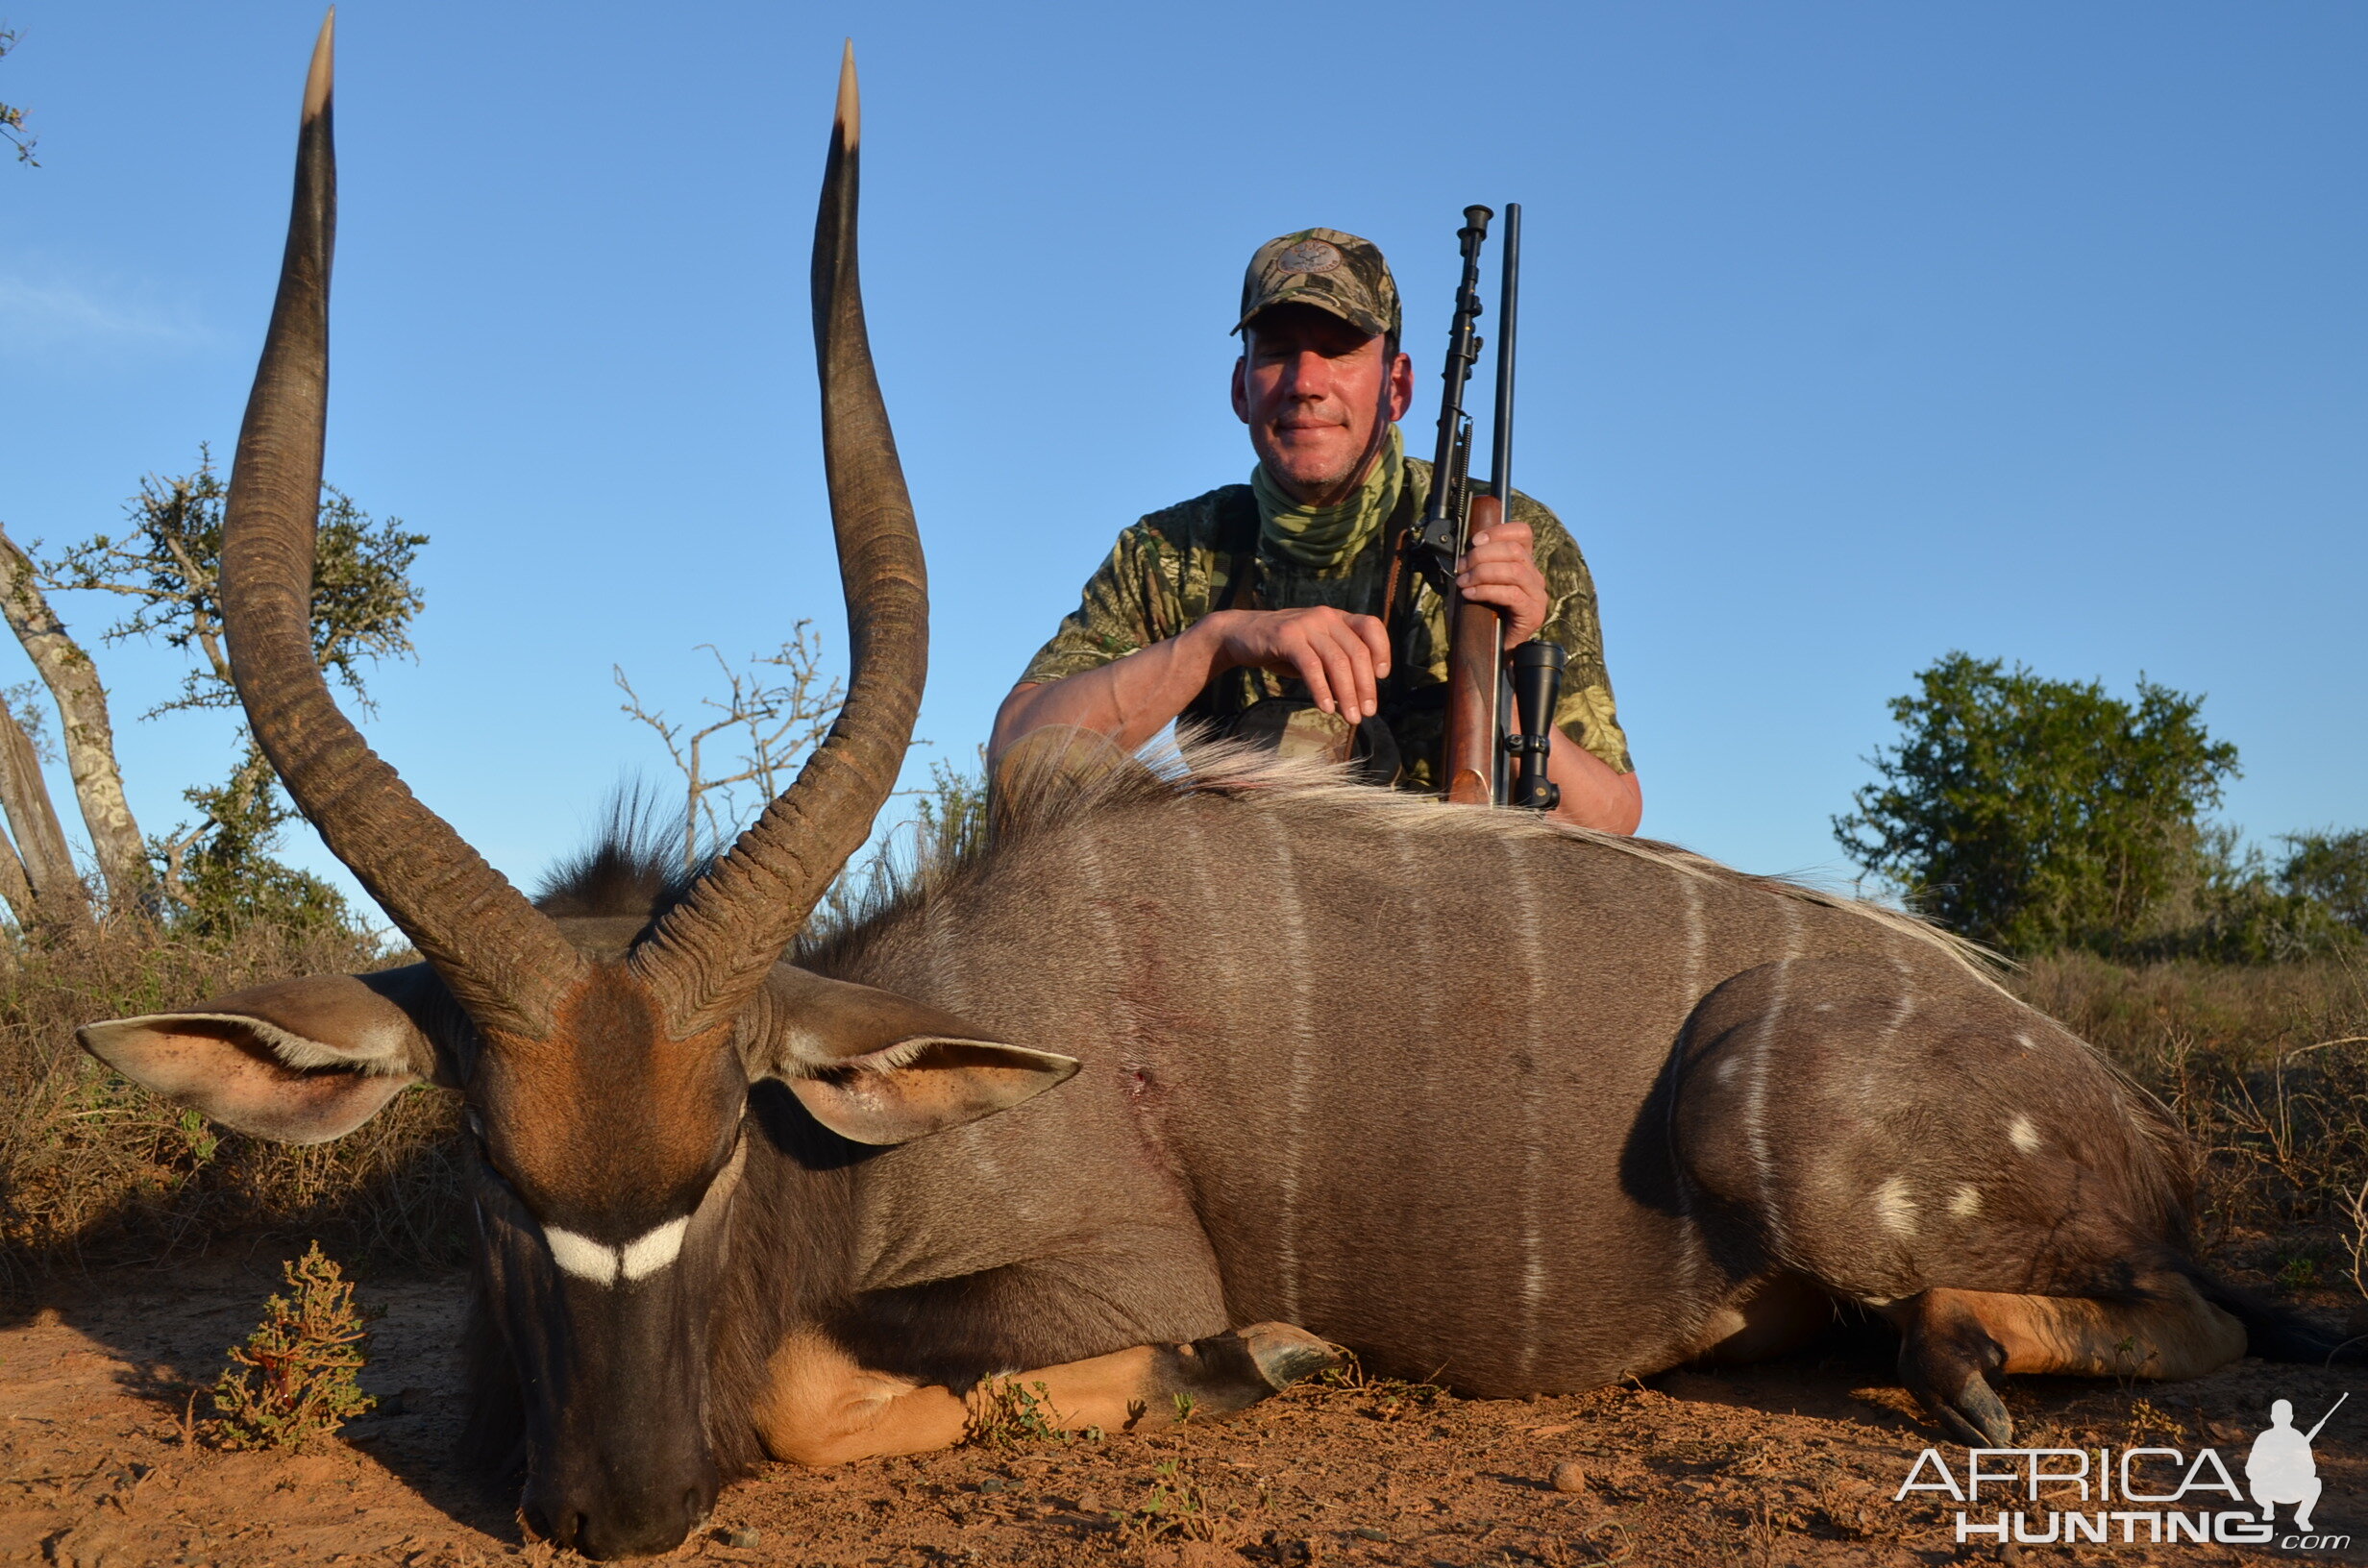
(607, 1529)
(612, 1535)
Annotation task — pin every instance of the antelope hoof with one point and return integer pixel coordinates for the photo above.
(1284, 1354)
(1973, 1415)
(1228, 1372)
(1947, 1361)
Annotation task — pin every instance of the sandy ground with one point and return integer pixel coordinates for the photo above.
(1797, 1461)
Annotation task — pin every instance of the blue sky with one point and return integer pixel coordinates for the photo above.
(1852, 334)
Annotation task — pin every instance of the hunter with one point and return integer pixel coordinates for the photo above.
(1262, 609)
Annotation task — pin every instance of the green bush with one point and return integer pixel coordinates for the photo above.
(2036, 814)
(294, 1379)
(2332, 869)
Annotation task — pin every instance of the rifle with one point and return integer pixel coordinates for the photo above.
(1480, 697)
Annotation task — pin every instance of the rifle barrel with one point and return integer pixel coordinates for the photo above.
(1508, 312)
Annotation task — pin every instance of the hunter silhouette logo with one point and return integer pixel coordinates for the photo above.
(2153, 1496)
(2281, 1468)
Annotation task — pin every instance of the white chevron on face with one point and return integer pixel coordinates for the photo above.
(603, 1264)
(581, 1256)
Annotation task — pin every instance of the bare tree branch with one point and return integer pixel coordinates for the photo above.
(11, 119)
(782, 718)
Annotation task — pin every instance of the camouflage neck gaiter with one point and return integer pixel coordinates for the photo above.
(1317, 537)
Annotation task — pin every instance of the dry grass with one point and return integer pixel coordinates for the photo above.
(95, 1173)
(2266, 1065)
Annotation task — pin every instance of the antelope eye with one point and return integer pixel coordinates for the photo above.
(492, 1172)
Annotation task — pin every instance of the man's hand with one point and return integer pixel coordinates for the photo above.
(1341, 658)
(1499, 568)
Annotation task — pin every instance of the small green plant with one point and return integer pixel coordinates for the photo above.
(1391, 1398)
(201, 1136)
(294, 1379)
(1173, 1506)
(1011, 1413)
(1176, 1508)
(1185, 1404)
(2300, 1271)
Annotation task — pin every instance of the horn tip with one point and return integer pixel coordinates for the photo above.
(317, 81)
(850, 120)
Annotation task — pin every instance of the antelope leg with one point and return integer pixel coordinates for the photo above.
(823, 1408)
(1954, 1341)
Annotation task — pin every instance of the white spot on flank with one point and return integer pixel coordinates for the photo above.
(1894, 1207)
(2025, 1040)
(1964, 1203)
(637, 1260)
(2022, 1134)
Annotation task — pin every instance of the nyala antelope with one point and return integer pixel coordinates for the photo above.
(1158, 1098)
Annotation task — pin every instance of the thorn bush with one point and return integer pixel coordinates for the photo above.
(294, 1379)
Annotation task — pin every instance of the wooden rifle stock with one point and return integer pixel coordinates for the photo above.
(1475, 654)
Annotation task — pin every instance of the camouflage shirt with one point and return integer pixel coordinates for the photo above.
(1175, 566)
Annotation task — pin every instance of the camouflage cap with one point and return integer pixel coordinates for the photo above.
(1327, 269)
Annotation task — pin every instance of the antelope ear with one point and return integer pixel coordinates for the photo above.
(876, 1067)
(297, 1060)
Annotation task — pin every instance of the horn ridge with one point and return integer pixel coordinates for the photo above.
(713, 949)
(503, 961)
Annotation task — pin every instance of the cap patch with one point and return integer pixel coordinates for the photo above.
(1309, 256)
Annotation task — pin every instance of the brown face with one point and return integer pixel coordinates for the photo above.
(609, 1128)
(607, 1156)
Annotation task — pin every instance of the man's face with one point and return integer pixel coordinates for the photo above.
(1310, 387)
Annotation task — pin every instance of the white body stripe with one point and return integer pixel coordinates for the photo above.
(1756, 1091)
(1294, 962)
(1533, 967)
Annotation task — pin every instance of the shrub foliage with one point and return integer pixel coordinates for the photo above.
(95, 1171)
(294, 1380)
(2036, 814)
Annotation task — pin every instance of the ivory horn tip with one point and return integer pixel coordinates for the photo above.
(318, 80)
(851, 113)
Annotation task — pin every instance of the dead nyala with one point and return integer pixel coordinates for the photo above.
(1158, 1098)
